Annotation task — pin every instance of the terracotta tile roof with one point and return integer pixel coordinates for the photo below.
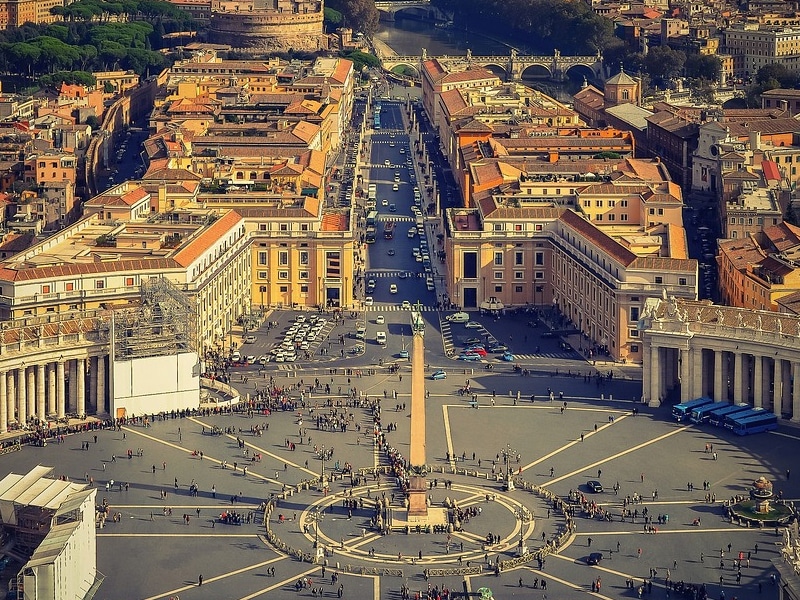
(157, 171)
(741, 253)
(334, 222)
(600, 239)
(776, 267)
(78, 269)
(199, 244)
(434, 69)
(662, 263)
(472, 74)
(128, 198)
(783, 236)
(743, 127)
(343, 67)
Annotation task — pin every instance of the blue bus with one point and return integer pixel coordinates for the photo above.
(681, 412)
(766, 422)
(700, 414)
(717, 417)
(731, 420)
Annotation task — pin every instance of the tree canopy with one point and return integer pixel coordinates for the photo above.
(359, 15)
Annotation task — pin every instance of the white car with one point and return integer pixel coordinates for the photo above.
(387, 162)
(384, 202)
(249, 339)
(412, 232)
(393, 288)
(380, 337)
(380, 320)
(406, 305)
(369, 301)
(473, 325)
(459, 317)
(395, 187)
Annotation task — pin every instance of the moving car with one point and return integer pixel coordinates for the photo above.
(392, 208)
(403, 353)
(594, 558)
(236, 357)
(390, 252)
(497, 347)
(406, 305)
(395, 187)
(380, 337)
(507, 356)
(440, 374)
(393, 288)
(469, 357)
(361, 332)
(249, 339)
(380, 320)
(473, 325)
(594, 486)
(412, 232)
(473, 340)
(476, 350)
(369, 301)
(459, 317)
(384, 202)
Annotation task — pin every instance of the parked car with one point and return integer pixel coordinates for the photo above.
(369, 301)
(459, 317)
(473, 325)
(473, 340)
(405, 305)
(469, 357)
(440, 374)
(403, 353)
(477, 350)
(249, 339)
(497, 347)
(380, 319)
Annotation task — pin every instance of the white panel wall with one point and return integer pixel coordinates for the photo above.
(156, 384)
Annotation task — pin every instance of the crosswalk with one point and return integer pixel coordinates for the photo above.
(394, 308)
(396, 218)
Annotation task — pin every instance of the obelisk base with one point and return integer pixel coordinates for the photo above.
(417, 497)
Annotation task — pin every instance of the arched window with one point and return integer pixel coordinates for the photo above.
(239, 175)
(626, 95)
(253, 175)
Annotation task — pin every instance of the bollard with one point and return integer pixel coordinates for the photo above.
(611, 397)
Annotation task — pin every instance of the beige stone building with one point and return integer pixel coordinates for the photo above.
(595, 253)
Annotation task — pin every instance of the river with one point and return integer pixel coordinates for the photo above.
(408, 37)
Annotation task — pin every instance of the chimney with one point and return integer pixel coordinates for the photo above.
(755, 141)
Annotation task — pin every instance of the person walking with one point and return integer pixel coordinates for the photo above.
(200, 580)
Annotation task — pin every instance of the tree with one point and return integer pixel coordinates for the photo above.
(701, 66)
(333, 18)
(776, 73)
(664, 64)
(360, 15)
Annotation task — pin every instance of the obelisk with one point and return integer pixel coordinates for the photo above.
(417, 492)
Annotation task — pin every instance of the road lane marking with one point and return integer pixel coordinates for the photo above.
(569, 584)
(447, 434)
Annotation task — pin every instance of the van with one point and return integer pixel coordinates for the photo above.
(380, 337)
(236, 357)
(361, 332)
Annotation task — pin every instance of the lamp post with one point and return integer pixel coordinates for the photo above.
(322, 468)
(508, 483)
(315, 516)
(524, 515)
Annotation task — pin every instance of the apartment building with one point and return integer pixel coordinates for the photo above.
(15, 13)
(596, 251)
(753, 46)
(756, 271)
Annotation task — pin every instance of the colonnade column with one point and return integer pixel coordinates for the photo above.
(4, 404)
(795, 392)
(61, 409)
(41, 406)
(777, 386)
(22, 400)
(697, 371)
(52, 405)
(718, 375)
(81, 387)
(758, 381)
(655, 376)
(11, 396)
(72, 366)
(737, 377)
(93, 360)
(686, 384)
(31, 376)
(101, 384)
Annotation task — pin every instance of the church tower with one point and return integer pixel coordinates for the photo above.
(621, 89)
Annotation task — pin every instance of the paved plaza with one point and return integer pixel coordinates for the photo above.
(154, 551)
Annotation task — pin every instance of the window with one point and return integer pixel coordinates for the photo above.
(498, 259)
(633, 333)
(634, 348)
(99, 284)
(498, 274)
(598, 217)
(634, 315)
(69, 286)
(538, 227)
(283, 289)
(262, 259)
(659, 279)
(262, 226)
(304, 288)
(498, 289)
(599, 204)
(612, 217)
(283, 274)
(262, 274)
(623, 217)
(623, 203)
(518, 289)
(518, 227)
(539, 259)
(470, 265)
(519, 274)
(651, 211)
(284, 227)
(518, 258)
(46, 289)
(304, 257)
(498, 227)
(539, 275)
(129, 282)
(303, 274)
(283, 258)
(303, 226)
(333, 264)
(681, 280)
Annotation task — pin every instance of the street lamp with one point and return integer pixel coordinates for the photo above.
(524, 515)
(508, 484)
(322, 469)
(315, 516)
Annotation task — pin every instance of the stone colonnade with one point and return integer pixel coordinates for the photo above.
(52, 389)
(694, 349)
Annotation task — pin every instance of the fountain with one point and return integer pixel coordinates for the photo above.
(759, 509)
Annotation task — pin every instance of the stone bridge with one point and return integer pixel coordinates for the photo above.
(420, 9)
(512, 67)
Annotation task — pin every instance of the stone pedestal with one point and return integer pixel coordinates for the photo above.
(417, 497)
